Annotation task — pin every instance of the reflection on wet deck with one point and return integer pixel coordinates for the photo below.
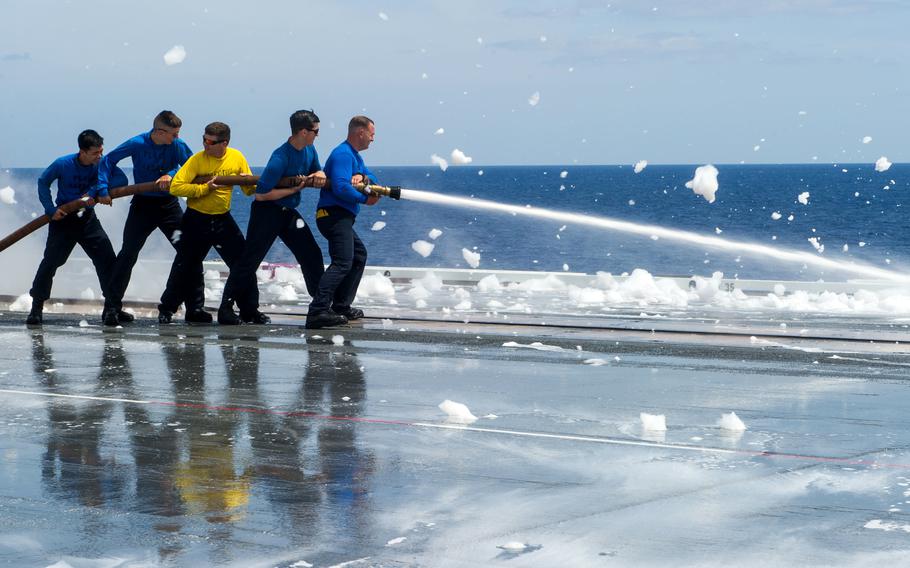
(194, 446)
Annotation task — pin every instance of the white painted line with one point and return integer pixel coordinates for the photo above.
(569, 437)
(350, 562)
(594, 439)
(79, 396)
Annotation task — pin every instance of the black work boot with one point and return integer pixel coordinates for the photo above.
(109, 317)
(125, 317)
(36, 315)
(257, 317)
(318, 320)
(165, 317)
(227, 316)
(199, 315)
(349, 312)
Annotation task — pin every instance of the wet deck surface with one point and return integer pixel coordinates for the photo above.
(273, 446)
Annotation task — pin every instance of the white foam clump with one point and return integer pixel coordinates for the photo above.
(878, 524)
(459, 158)
(534, 98)
(472, 258)
(513, 547)
(8, 195)
(820, 248)
(705, 182)
(563, 174)
(440, 131)
(175, 236)
(87, 294)
(434, 234)
(882, 164)
(430, 281)
(489, 283)
(423, 248)
(175, 55)
(418, 292)
(21, 304)
(439, 161)
(300, 223)
(338, 339)
(383, 16)
(282, 292)
(803, 198)
(376, 286)
(776, 215)
(378, 226)
(290, 275)
(83, 323)
(867, 139)
(640, 165)
(730, 421)
(653, 422)
(457, 412)
(641, 289)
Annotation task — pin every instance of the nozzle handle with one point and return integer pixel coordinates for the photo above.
(393, 191)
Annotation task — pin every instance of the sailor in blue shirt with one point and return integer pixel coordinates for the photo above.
(156, 156)
(274, 214)
(77, 177)
(338, 206)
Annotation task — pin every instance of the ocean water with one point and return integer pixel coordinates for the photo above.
(849, 204)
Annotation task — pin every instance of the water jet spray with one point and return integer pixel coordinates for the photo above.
(662, 232)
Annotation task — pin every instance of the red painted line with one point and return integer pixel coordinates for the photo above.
(530, 434)
(603, 439)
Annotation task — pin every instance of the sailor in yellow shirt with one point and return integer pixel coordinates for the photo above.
(206, 223)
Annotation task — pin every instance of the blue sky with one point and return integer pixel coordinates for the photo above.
(683, 81)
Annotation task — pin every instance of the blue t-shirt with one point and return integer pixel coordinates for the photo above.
(343, 163)
(73, 182)
(288, 161)
(150, 161)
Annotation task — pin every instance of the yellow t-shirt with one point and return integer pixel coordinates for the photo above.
(199, 196)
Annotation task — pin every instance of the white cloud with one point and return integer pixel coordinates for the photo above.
(459, 159)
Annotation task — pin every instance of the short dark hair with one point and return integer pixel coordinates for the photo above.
(219, 130)
(89, 139)
(359, 121)
(168, 119)
(303, 119)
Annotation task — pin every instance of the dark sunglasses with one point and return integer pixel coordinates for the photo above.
(209, 142)
(314, 131)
